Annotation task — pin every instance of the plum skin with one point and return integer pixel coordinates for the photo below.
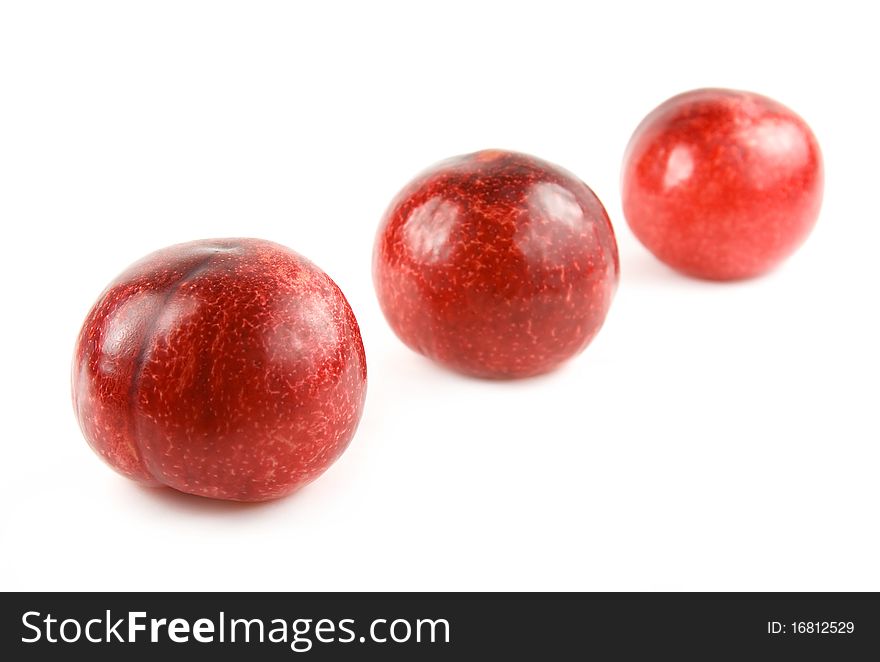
(225, 368)
(496, 264)
(722, 184)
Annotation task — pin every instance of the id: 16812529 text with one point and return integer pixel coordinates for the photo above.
(811, 627)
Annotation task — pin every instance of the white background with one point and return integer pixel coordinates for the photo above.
(712, 437)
